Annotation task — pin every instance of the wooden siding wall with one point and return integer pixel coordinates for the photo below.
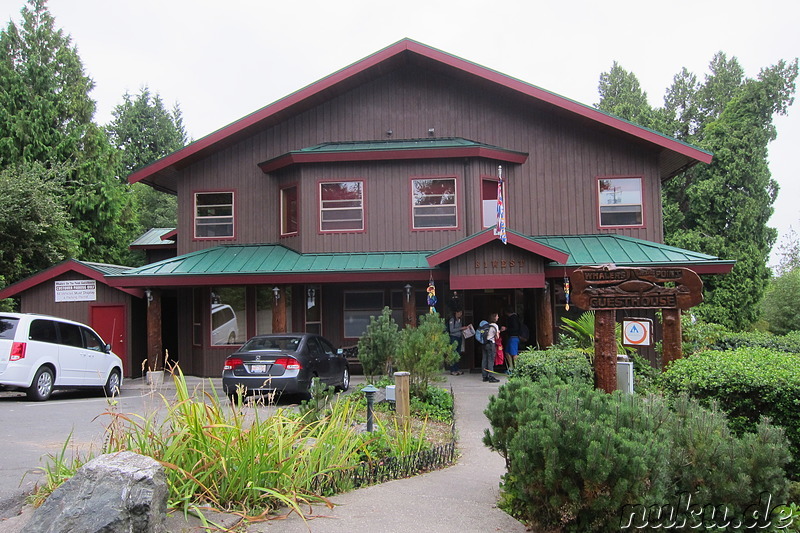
(553, 193)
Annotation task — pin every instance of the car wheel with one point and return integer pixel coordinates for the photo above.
(111, 388)
(42, 385)
(345, 380)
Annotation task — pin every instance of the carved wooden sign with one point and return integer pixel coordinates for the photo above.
(611, 287)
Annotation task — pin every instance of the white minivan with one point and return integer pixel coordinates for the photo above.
(39, 353)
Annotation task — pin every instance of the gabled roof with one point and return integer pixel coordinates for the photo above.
(95, 271)
(393, 149)
(675, 155)
(605, 248)
(234, 264)
(479, 239)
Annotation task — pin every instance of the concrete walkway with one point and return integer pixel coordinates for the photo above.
(460, 499)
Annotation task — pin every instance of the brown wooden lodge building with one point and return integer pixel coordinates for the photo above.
(363, 189)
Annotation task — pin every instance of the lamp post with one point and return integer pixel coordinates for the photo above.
(370, 391)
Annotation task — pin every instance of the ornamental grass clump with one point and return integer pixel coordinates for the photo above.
(225, 457)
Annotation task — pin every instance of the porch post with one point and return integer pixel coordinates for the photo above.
(605, 350)
(544, 317)
(155, 359)
(672, 336)
(278, 310)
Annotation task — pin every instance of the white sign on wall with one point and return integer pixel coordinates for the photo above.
(76, 291)
(636, 332)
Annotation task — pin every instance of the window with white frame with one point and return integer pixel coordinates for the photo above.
(358, 308)
(434, 203)
(341, 206)
(489, 202)
(620, 201)
(213, 215)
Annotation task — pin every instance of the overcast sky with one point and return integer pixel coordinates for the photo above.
(221, 60)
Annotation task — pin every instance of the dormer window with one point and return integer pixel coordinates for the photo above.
(620, 202)
(434, 203)
(213, 215)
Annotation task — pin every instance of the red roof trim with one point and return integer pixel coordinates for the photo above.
(391, 155)
(255, 118)
(70, 265)
(516, 281)
(487, 236)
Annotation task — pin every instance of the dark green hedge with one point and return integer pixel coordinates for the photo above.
(746, 383)
(567, 364)
(789, 343)
(580, 460)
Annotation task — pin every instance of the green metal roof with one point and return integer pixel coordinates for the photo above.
(621, 250)
(277, 259)
(152, 237)
(397, 144)
(106, 269)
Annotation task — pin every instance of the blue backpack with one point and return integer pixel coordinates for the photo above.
(482, 333)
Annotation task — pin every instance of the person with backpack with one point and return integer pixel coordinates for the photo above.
(456, 332)
(489, 334)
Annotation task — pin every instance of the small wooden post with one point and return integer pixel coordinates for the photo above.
(605, 350)
(279, 311)
(155, 361)
(402, 386)
(672, 348)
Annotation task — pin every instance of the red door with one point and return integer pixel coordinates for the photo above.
(109, 322)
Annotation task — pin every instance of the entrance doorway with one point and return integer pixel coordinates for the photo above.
(483, 304)
(109, 322)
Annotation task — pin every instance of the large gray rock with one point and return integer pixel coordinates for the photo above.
(120, 492)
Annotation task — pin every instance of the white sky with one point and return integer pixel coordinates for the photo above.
(221, 60)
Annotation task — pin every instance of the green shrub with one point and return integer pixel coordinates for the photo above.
(378, 346)
(577, 457)
(747, 383)
(789, 343)
(698, 335)
(423, 351)
(564, 363)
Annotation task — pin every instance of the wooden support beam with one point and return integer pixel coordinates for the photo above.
(605, 350)
(155, 350)
(279, 311)
(672, 342)
(544, 317)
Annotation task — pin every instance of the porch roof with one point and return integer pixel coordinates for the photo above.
(605, 248)
(233, 264)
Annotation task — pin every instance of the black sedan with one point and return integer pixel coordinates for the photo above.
(284, 362)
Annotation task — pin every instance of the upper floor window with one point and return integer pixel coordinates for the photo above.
(489, 202)
(289, 210)
(213, 214)
(620, 201)
(341, 206)
(434, 203)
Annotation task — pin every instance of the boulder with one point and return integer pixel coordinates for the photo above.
(119, 492)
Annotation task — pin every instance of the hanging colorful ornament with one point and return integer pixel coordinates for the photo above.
(432, 296)
(566, 293)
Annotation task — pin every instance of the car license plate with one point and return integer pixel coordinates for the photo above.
(258, 369)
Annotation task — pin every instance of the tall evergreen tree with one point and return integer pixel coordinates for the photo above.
(46, 117)
(723, 208)
(143, 130)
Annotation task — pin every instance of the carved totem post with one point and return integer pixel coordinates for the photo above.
(609, 288)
